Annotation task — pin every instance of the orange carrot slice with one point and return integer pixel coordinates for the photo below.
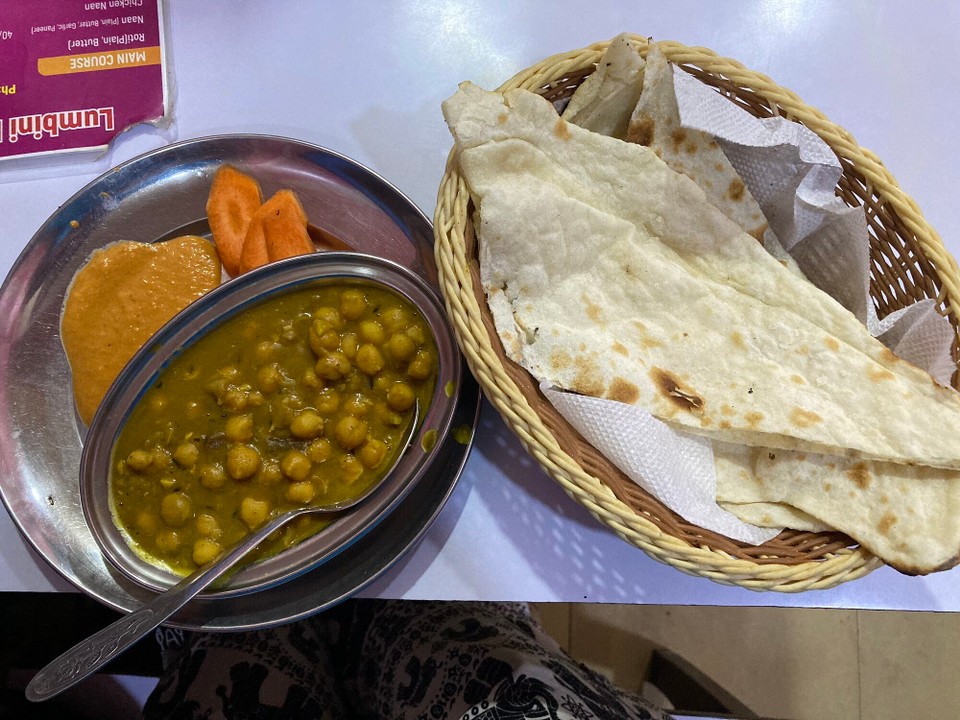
(278, 229)
(254, 251)
(285, 227)
(234, 198)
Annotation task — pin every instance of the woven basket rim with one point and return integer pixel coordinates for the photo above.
(452, 225)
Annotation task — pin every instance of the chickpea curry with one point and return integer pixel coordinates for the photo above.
(302, 399)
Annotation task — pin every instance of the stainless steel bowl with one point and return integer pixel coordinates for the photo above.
(197, 320)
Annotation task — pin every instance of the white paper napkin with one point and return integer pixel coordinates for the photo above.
(673, 466)
(792, 174)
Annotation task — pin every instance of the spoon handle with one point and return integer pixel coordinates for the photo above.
(94, 652)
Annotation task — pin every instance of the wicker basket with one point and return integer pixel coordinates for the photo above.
(908, 262)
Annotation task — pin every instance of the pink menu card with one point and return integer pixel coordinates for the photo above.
(75, 74)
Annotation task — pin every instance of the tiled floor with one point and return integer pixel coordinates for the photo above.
(788, 664)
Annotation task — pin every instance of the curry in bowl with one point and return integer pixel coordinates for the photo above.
(303, 399)
(293, 386)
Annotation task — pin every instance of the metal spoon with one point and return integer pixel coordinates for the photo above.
(91, 654)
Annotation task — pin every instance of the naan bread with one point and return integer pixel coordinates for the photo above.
(774, 515)
(610, 102)
(739, 492)
(907, 516)
(655, 123)
(605, 101)
(622, 281)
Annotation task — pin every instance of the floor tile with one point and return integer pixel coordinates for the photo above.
(782, 663)
(909, 664)
(605, 637)
(555, 619)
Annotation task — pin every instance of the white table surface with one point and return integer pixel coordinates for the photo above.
(369, 81)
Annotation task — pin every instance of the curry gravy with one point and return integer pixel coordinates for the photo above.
(123, 294)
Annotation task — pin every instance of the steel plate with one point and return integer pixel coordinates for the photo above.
(153, 197)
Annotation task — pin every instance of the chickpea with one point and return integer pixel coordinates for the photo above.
(372, 452)
(205, 550)
(328, 401)
(395, 318)
(266, 351)
(207, 526)
(401, 397)
(160, 459)
(372, 332)
(270, 473)
(186, 454)
(319, 450)
(242, 461)
(310, 379)
(213, 476)
(296, 465)
(350, 469)
(168, 541)
(307, 424)
(255, 399)
(254, 512)
(357, 405)
(235, 398)
(421, 366)
(330, 316)
(330, 340)
(353, 305)
(350, 432)
(323, 337)
(176, 509)
(356, 382)
(239, 428)
(416, 333)
(349, 344)
(139, 460)
(333, 366)
(316, 331)
(400, 348)
(270, 378)
(301, 492)
(369, 359)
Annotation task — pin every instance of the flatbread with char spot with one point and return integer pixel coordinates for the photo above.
(907, 515)
(655, 123)
(616, 277)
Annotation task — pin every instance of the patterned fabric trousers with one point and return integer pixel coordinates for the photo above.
(389, 659)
